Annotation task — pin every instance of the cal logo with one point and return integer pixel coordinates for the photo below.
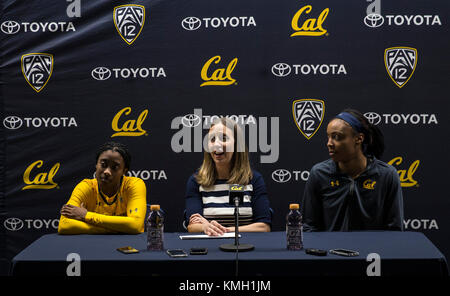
(311, 26)
(129, 20)
(237, 188)
(219, 76)
(369, 184)
(400, 64)
(130, 127)
(42, 180)
(308, 115)
(37, 69)
(406, 176)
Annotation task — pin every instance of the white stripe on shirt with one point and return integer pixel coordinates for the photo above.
(245, 211)
(222, 199)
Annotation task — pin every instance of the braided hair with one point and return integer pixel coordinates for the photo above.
(116, 147)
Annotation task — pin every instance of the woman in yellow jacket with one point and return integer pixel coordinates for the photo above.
(110, 203)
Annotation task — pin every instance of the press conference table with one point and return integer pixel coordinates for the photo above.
(401, 253)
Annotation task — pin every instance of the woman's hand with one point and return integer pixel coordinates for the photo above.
(197, 219)
(212, 228)
(74, 212)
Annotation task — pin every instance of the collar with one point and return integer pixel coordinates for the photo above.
(116, 195)
(371, 168)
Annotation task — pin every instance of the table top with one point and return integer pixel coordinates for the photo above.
(389, 245)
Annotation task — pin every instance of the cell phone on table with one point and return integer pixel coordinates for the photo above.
(198, 251)
(176, 253)
(128, 250)
(344, 252)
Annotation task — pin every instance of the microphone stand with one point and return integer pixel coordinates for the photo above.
(236, 223)
(236, 231)
(236, 198)
(236, 247)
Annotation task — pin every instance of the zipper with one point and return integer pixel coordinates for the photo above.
(352, 187)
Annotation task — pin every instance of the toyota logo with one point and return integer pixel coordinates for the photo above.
(373, 118)
(13, 224)
(12, 122)
(373, 20)
(281, 69)
(101, 73)
(191, 23)
(281, 176)
(191, 120)
(10, 27)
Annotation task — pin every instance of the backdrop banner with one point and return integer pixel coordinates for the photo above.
(154, 75)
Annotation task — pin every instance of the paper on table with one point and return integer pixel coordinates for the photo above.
(205, 236)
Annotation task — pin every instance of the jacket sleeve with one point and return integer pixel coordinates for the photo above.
(72, 226)
(312, 210)
(79, 195)
(393, 205)
(133, 223)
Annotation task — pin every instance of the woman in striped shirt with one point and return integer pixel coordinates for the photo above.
(226, 162)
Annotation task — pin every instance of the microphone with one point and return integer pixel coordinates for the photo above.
(236, 198)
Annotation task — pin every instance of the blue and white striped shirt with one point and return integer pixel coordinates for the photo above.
(213, 202)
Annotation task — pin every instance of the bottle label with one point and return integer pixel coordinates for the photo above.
(294, 237)
(155, 239)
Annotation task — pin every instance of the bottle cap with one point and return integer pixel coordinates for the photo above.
(294, 206)
(155, 207)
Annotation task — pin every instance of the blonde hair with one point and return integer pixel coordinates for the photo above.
(240, 171)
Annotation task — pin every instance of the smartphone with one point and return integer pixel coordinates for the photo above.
(198, 251)
(128, 250)
(316, 252)
(176, 253)
(344, 252)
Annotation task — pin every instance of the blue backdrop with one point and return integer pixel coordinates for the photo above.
(153, 74)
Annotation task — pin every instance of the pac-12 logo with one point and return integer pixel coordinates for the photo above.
(37, 69)
(308, 115)
(129, 20)
(400, 64)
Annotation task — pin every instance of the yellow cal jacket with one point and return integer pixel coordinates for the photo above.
(123, 212)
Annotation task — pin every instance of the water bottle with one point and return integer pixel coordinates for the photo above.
(294, 228)
(155, 229)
